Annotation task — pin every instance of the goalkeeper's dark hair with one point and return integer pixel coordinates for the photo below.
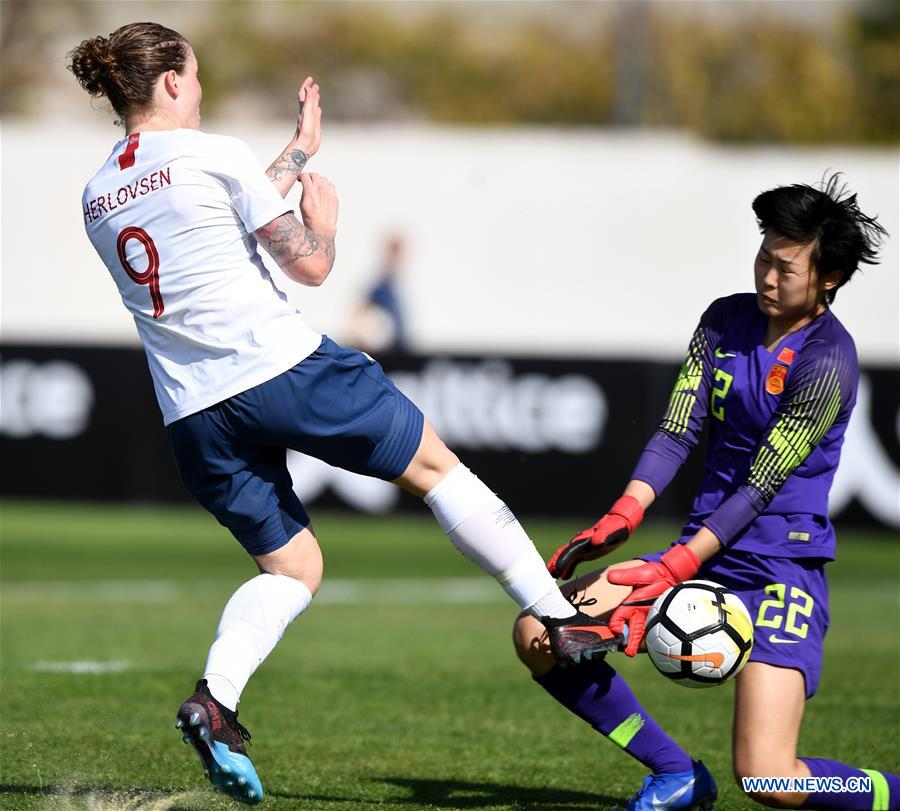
(827, 217)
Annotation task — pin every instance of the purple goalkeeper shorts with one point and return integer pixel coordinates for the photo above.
(788, 602)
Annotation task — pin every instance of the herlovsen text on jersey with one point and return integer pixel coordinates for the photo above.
(110, 201)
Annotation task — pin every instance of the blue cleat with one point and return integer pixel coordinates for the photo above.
(691, 791)
(215, 733)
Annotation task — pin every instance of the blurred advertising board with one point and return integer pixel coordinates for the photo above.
(553, 436)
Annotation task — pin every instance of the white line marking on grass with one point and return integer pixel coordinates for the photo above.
(409, 590)
(347, 591)
(102, 591)
(92, 668)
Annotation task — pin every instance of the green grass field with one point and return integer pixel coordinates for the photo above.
(399, 689)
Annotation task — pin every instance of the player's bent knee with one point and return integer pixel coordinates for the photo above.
(300, 558)
(532, 647)
(762, 764)
(432, 462)
(762, 769)
(773, 799)
(523, 631)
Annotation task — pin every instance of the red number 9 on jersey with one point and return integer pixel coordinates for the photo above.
(151, 275)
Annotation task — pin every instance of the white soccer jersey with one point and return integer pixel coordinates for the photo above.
(172, 215)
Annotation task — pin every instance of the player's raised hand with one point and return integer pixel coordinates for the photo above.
(309, 118)
(319, 204)
(648, 581)
(607, 535)
(287, 167)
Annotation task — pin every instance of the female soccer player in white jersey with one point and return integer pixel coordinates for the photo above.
(176, 215)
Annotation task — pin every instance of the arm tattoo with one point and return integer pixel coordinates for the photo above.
(289, 240)
(291, 161)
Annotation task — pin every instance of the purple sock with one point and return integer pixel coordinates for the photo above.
(599, 695)
(883, 796)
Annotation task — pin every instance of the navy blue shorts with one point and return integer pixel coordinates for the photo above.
(337, 405)
(788, 602)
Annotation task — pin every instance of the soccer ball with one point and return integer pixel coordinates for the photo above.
(699, 634)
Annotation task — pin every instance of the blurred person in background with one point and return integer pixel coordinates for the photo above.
(774, 376)
(176, 215)
(378, 323)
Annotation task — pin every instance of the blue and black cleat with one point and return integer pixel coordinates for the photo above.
(681, 791)
(217, 736)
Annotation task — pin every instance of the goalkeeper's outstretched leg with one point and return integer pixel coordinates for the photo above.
(596, 693)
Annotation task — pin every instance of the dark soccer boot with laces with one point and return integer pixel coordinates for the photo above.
(217, 736)
(580, 638)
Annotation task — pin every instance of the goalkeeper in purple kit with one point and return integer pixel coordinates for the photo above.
(773, 376)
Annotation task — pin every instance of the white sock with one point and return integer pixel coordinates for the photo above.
(253, 621)
(485, 531)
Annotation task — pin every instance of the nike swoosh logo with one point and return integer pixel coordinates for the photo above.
(777, 639)
(712, 659)
(666, 802)
(721, 354)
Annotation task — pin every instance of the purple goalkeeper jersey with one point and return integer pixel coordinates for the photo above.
(776, 425)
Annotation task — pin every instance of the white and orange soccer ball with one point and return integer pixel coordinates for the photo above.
(699, 634)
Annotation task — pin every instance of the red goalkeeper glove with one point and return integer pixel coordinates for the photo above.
(607, 535)
(648, 581)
